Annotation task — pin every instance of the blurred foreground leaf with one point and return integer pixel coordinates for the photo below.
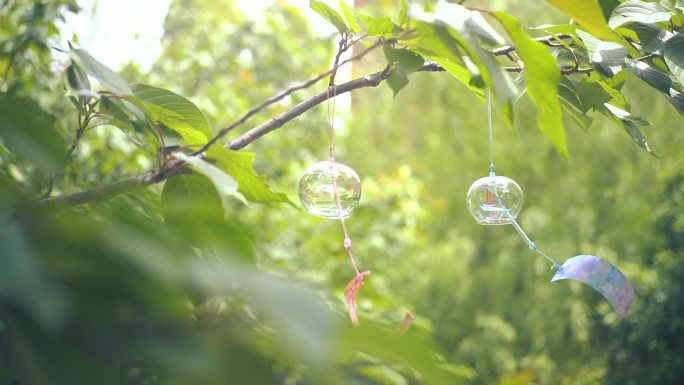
(238, 164)
(108, 78)
(30, 132)
(542, 76)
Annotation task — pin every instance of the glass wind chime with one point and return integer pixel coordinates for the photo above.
(497, 200)
(331, 190)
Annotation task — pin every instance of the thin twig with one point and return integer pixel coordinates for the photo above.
(546, 40)
(652, 55)
(83, 122)
(505, 50)
(161, 153)
(373, 80)
(341, 48)
(107, 191)
(280, 96)
(279, 120)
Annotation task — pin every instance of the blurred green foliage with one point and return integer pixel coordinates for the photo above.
(156, 286)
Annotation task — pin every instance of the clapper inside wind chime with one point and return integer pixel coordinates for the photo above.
(497, 200)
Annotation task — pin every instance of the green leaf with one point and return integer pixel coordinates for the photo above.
(564, 58)
(23, 283)
(397, 80)
(378, 26)
(172, 112)
(109, 80)
(187, 198)
(463, 75)
(571, 104)
(471, 25)
(435, 44)
(475, 74)
(403, 12)
(183, 110)
(299, 316)
(382, 375)
(636, 10)
(411, 350)
(194, 190)
(569, 29)
(607, 6)
(77, 81)
(669, 4)
(143, 112)
(407, 60)
(651, 75)
(224, 183)
(170, 120)
(588, 14)
(609, 53)
(146, 120)
(582, 120)
(238, 164)
(616, 82)
(674, 56)
(460, 33)
(477, 24)
(677, 100)
(349, 16)
(430, 46)
(630, 124)
(651, 37)
(591, 95)
(118, 114)
(590, 41)
(606, 56)
(31, 133)
(542, 76)
(637, 136)
(329, 14)
(611, 87)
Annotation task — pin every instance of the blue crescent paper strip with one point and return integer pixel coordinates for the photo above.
(602, 276)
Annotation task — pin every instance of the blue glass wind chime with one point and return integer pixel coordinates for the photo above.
(497, 200)
(331, 190)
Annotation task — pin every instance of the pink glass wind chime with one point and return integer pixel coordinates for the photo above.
(331, 190)
(497, 200)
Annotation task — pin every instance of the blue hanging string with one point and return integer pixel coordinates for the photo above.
(491, 135)
(532, 245)
(554, 265)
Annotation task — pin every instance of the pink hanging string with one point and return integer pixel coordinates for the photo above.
(355, 284)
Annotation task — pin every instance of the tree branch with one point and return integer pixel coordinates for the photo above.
(176, 167)
(280, 96)
(119, 187)
(546, 40)
(278, 121)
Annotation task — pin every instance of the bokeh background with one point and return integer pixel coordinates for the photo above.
(481, 294)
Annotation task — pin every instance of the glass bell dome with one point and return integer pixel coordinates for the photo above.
(316, 189)
(494, 200)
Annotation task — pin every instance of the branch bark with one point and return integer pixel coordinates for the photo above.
(105, 192)
(278, 121)
(175, 167)
(280, 96)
